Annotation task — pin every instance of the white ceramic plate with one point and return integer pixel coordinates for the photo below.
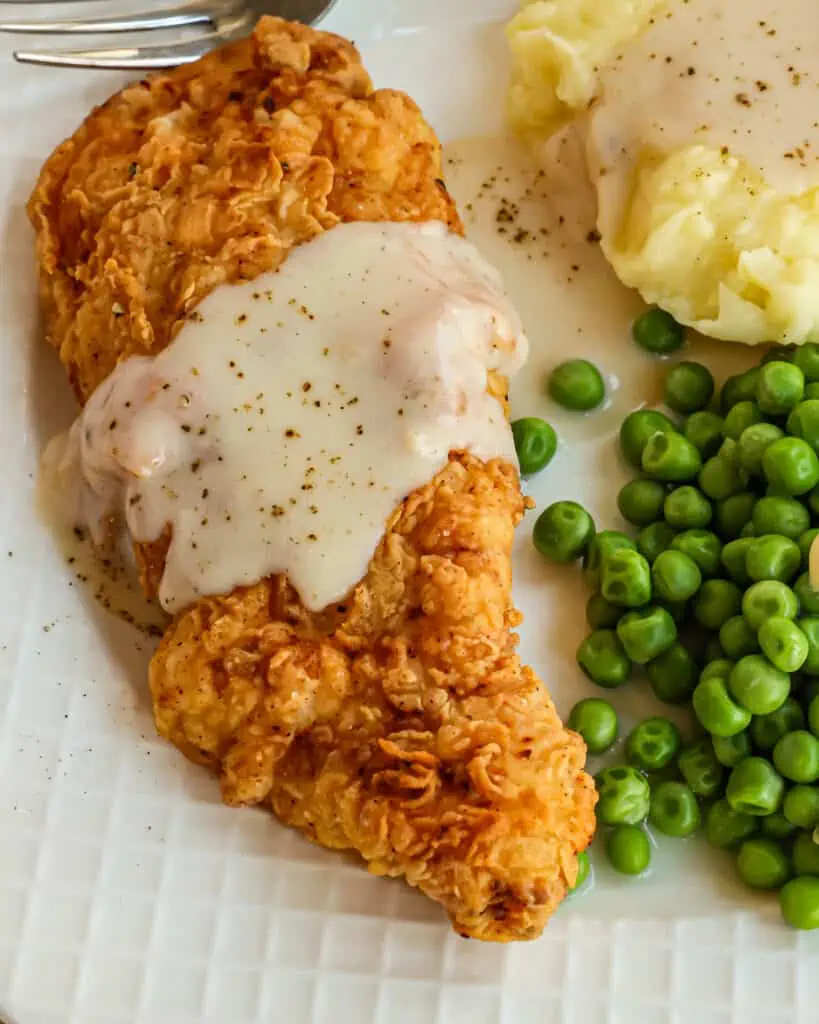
(127, 892)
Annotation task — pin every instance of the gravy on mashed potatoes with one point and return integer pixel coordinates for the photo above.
(701, 127)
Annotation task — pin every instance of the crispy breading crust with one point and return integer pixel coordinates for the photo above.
(401, 723)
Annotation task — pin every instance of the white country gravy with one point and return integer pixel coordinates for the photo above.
(289, 418)
(740, 77)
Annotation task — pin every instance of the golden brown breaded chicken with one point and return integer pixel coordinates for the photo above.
(400, 723)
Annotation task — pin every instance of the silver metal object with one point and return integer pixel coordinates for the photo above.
(223, 21)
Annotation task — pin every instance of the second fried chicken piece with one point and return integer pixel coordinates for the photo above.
(402, 723)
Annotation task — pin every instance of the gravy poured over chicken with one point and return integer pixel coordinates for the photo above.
(289, 418)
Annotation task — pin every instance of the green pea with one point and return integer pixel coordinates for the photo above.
(811, 390)
(808, 690)
(812, 499)
(805, 543)
(729, 450)
(716, 710)
(805, 853)
(730, 750)
(596, 721)
(583, 871)
(717, 668)
(654, 539)
(704, 430)
(675, 576)
(739, 417)
(748, 530)
(780, 386)
(766, 599)
(628, 850)
(752, 444)
(777, 826)
(703, 547)
(716, 602)
(783, 643)
(600, 547)
(799, 903)
(813, 714)
(602, 658)
(686, 508)
(758, 685)
(806, 357)
(810, 627)
(739, 388)
(600, 614)
(626, 578)
(671, 458)
(641, 501)
(563, 531)
(801, 806)
(791, 466)
(785, 516)
(737, 638)
(734, 559)
(535, 443)
(796, 756)
(771, 557)
(803, 422)
(674, 809)
(689, 387)
(577, 384)
(762, 864)
(658, 332)
(673, 675)
(720, 477)
(734, 513)
(700, 768)
(755, 787)
(767, 730)
(637, 428)
(726, 828)
(646, 633)
(652, 744)
(807, 595)
(624, 796)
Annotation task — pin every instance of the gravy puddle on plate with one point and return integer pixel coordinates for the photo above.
(111, 580)
(537, 226)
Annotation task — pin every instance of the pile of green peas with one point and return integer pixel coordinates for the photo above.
(711, 594)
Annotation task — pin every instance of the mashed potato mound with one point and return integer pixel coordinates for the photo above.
(705, 238)
(557, 46)
(696, 229)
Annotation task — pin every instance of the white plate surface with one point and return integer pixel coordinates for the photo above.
(127, 892)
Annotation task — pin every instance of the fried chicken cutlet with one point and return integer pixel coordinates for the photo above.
(400, 722)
